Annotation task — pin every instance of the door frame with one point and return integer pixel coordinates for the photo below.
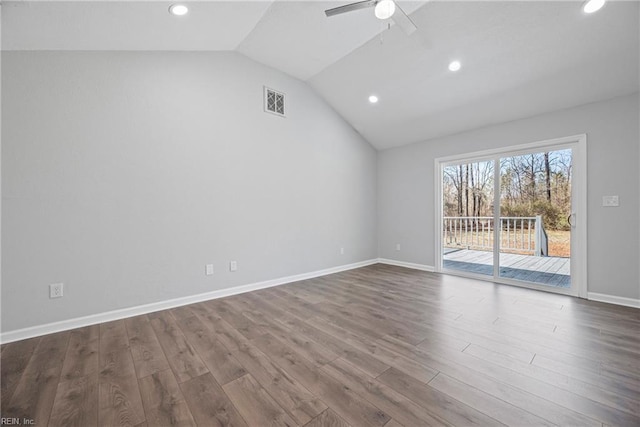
(578, 143)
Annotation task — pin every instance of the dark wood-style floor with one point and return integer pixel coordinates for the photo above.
(377, 346)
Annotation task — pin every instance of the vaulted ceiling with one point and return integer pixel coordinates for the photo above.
(518, 58)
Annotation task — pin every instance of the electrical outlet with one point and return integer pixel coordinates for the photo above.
(55, 290)
(610, 201)
(397, 246)
(208, 270)
(341, 251)
(233, 265)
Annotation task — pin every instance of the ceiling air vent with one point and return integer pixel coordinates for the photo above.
(274, 102)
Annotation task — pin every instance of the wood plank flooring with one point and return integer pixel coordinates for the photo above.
(377, 346)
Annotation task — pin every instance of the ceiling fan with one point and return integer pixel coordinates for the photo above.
(384, 9)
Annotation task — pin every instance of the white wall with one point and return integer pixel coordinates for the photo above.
(123, 174)
(406, 187)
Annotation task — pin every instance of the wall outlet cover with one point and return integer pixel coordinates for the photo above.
(610, 201)
(56, 290)
(233, 265)
(208, 270)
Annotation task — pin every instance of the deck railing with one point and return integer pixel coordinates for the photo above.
(517, 234)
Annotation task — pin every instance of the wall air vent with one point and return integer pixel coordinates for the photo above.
(274, 102)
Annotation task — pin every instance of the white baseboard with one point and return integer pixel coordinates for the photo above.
(412, 265)
(64, 325)
(612, 299)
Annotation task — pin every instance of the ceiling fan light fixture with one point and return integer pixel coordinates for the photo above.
(385, 9)
(178, 9)
(591, 6)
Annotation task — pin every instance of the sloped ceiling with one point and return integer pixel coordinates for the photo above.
(518, 58)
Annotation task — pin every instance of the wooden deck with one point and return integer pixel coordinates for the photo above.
(552, 271)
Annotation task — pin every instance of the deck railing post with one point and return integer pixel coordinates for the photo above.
(542, 245)
(538, 238)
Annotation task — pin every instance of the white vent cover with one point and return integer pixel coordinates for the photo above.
(273, 102)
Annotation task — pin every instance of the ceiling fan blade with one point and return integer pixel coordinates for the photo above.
(403, 21)
(350, 7)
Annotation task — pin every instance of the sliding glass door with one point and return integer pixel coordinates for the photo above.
(510, 216)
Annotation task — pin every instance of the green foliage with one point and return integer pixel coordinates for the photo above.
(553, 216)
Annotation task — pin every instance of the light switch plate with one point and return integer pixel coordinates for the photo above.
(610, 201)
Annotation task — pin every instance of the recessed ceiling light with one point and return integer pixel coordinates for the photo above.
(384, 9)
(454, 66)
(591, 6)
(373, 99)
(178, 9)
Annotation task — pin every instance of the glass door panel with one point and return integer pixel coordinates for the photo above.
(535, 226)
(468, 217)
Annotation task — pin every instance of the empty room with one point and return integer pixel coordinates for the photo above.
(320, 213)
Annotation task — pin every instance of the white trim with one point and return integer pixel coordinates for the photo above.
(579, 199)
(612, 299)
(438, 214)
(78, 322)
(579, 235)
(497, 225)
(412, 265)
(515, 150)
